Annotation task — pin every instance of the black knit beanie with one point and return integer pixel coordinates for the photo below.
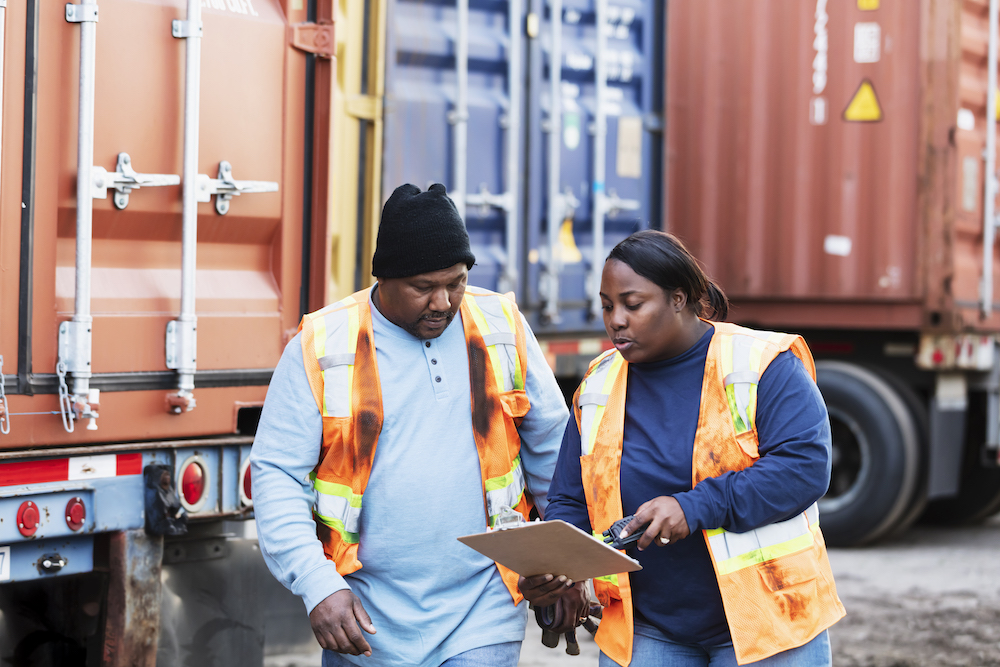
(420, 232)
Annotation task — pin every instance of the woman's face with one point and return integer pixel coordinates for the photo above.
(642, 320)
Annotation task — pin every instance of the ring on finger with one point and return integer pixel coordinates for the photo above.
(664, 540)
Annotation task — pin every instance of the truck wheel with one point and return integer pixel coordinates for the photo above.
(979, 486)
(876, 455)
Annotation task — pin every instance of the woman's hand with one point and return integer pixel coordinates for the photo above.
(666, 522)
(570, 599)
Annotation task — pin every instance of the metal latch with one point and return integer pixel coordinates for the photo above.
(317, 38)
(183, 30)
(181, 343)
(508, 518)
(81, 13)
(51, 563)
(125, 179)
(225, 187)
(484, 199)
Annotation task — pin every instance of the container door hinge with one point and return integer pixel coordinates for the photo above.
(316, 38)
(81, 13)
(125, 179)
(225, 187)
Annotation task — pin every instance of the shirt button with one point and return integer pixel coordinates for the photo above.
(428, 343)
(437, 379)
(434, 361)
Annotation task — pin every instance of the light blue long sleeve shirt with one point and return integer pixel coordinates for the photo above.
(429, 596)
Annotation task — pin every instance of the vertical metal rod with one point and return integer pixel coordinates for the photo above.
(509, 278)
(461, 115)
(189, 234)
(599, 200)
(990, 179)
(82, 317)
(557, 207)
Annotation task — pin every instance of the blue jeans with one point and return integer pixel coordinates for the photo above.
(650, 648)
(495, 655)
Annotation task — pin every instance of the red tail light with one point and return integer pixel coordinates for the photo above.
(246, 491)
(194, 484)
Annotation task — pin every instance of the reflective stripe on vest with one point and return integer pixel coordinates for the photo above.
(335, 344)
(735, 551)
(505, 491)
(740, 361)
(594, 394)
(338, 507)
(495, 320)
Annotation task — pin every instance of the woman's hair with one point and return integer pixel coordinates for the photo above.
(661, 258)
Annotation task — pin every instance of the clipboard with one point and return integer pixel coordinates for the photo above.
(551, 547)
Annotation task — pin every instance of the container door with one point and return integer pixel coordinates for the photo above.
(566, 188)
(248, 260)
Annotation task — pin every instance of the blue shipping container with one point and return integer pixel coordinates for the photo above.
(452, 116)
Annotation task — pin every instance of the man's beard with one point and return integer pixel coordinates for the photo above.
(413, 328)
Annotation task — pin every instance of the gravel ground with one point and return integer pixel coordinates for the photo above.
(930, 598)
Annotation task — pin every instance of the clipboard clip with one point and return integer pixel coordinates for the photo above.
(508, 518)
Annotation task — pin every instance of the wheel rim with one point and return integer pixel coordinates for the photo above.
(850, 462)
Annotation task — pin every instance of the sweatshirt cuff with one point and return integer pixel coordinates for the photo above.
(690, 508)
(319, 584)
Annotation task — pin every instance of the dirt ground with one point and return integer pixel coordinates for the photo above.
(930, 598)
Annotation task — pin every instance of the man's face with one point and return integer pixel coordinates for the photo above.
(424, 304)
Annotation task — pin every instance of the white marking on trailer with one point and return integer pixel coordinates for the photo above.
(966, 120)
(817, 111)
(93, 467)
(4, 563)
(837, 245)
(867, 42)
(821, 44)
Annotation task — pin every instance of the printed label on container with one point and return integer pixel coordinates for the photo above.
(867, 42)
(4, 563)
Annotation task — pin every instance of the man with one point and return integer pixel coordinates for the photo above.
(406, 416)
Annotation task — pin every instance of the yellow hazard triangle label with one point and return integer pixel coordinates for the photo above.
(864, 106)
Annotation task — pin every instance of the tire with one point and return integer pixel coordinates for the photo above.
(877, 457)
(921, 419)
(979, 486)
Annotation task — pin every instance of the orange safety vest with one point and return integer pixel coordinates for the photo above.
(777, 587)
(339, 352)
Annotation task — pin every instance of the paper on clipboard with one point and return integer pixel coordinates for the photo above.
(551, 547)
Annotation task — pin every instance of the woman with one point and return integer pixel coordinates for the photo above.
(717, 438)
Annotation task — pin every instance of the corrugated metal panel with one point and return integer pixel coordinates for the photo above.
(779, 195)
(421, 92)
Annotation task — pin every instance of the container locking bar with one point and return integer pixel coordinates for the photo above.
(125, 179)
(225, 187)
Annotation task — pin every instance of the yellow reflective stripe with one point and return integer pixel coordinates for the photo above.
(611, 579)
(609, 382)
(734, 410)
(508, 313)
(484, 328)
(500, 482)
(764, 554)
(337, 499)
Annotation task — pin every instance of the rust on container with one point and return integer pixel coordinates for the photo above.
(806, 206)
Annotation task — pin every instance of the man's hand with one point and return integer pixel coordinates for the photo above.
(335, 623)
(570, 599)
(666, 520)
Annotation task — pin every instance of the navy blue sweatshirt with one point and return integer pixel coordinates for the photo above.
(676, 591)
